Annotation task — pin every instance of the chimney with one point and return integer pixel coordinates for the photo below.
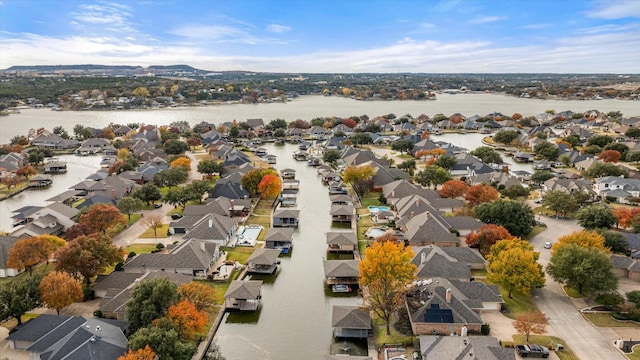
(210, 222)
(411, 215)
(417, 201)
(427, 214)
(423, 258)
(447, 297)
(202, 246)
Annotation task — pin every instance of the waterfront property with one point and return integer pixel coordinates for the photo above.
(351, 322)
(341, 272)
(338, 241)
(342, 213)
(40, 181)
(263, 261)
(55, 167)
(243, 295)
(279, 238)
(286, 217)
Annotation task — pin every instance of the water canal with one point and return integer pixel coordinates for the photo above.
(295, 319)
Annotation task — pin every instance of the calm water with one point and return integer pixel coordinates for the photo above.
(78, 168)
(306, 108)
(295, 320)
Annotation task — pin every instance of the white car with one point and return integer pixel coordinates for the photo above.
(547, 245)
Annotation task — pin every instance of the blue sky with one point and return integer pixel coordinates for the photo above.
(449, 36)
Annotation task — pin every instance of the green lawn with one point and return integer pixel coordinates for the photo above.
(518, 303)
(370, 199)
(161, 232)
(605, 320)
(550, 342)
(140, 248)
(536, 230)
(571, 292)
(134, 217)
(239, 253)
(636, 353)
(38, 269)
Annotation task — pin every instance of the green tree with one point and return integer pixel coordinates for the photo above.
(331, 156)
(446, 161)
(209, 167)
(632, 132)
(148, 193)
(541, 176)
(175, 147)
(546, 150)
(560, 202)
(385, 272)
(600, 169)
(515, 216)
(633, 156)
(150, 300)
(361, 138)
(596, 216)
(615, 241)
(432, 175)
(279, 133)
(234, 132)
(18, 296)
(516, 191)
(163, 338)
(588, 271)
(129, 204)
(402, 145)
(573, 140)
(276, 124)
(177, 196)
(514, 265)
(634, 297)
(487, 154)
(623, 149)
(171, 176)
(506, 136)
(600, 140)
(197, 188)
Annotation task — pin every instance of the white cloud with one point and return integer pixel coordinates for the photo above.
(278, 29)
(536, 26)
(113, 16)
(618, 9)
(427, 25)
(486, 19)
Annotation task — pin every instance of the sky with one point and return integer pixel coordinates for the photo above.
(326, 36)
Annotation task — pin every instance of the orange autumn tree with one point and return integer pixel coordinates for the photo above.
(27, 253)
(453, 189)
(610, 156)
(531, 322)
(101, 217)
(201, 295)
(187, 319)
(479, 194)
(59, 290)
(183, 162)
(486, 236)
(626, 216)
(145, 353)
(270, 186)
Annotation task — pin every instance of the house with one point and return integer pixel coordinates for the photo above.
(463, 347)
(338, 241)
(341, 272)
(192, 257)
(115, 289)
(263, 261)
(625, 267)
(208, 227)
(279, 238)
(42, 225)
(437, 311)
(92, 146)
(425, 229)
(57, 337)
(468, 165)
(243, 295)
(446, 262)
(342, 213)
(285, 217)
(55, 167)
(341, 199)
(351, 322)
(6, 243)
(54, 142)
(40, 180)
(618, 187)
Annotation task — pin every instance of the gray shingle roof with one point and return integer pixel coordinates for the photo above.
(341, 238)
(342, 210)
(286, 213)
(264, 256)
(464, 347)
(350, 317)
(6, 243)
(279, 234)
(212, 227)
(188, 255)
(239, 289)
(341, 268)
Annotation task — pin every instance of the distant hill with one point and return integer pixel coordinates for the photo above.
(179, 69)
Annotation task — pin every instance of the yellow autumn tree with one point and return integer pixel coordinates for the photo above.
(183, 162)
(385, 271)
(584, 238)
(145, 353)
(514, 265)
(59, 289)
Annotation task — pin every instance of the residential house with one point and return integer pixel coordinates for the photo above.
(209, 227)
(427, 229)
(318, 132)
(6, 243)
(279, 238)
(342, 213)
(618, 187)
(58, 337)
(468, 165)
(92, 146)
(569, 186)
(11, 162)
(339, 241)
(53, 219)
(463, 347)
(446, 262)
(625, 267)
(229, 187)
(115, 289)
(121, 131)
(55, 167)
(243, 295)
(341, 272)
(283, 217)
(152, 167)
(351, 322)
(341, 199)
(192, 257)
(54, 142)
(263, 261)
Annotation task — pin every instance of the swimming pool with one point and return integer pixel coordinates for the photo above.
(248, 235)
(374, 232)
(377, 209)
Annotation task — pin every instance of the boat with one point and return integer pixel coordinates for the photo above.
(340, 288)
(300, 155)
(261, 152)
(271, 159)
(314, 161)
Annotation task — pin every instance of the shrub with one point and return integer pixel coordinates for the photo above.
(609, 300)
(97, 313)
(88, 294)
(485, 329)
(119, 266)
(131, 255)
(160, 246)
(634, 297)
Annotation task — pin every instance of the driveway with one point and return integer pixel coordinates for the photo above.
(586, 341)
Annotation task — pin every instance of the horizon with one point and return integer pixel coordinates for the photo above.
(279, 36)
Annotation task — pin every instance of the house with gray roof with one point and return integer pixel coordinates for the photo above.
(606, 185)
(468, 165)
(425, 229)
(351, 322)
(194, 257)
(57, 337)
(279, 238)
(342, 272)
(338, 241)
(6, 243)
(243, 295)
(436, 311)
(230, 188)
(342, 213)
(284, 217)
(263, 261)
(212, 228)
(463, 347)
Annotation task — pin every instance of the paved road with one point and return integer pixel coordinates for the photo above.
(587, 341)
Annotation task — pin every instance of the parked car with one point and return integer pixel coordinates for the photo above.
(176, 216)
(532, 350)
(157, 206)
(547, 245)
